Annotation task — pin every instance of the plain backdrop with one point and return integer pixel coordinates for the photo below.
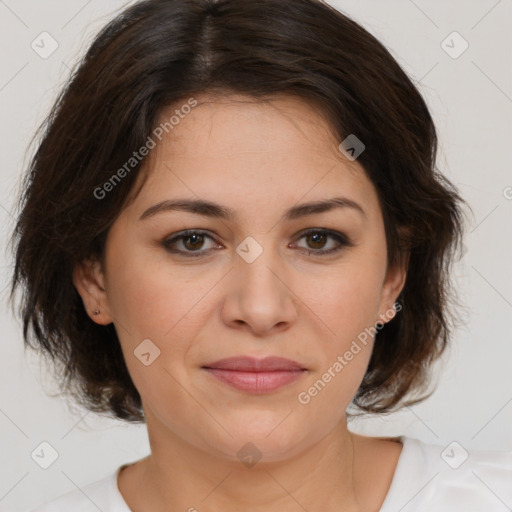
(469, 93)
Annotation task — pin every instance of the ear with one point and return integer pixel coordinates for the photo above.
(391, 289)
(89, 280)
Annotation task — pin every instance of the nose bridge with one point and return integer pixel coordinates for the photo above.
(258, 264)
(262, 297)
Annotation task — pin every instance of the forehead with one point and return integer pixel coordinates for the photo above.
(238, 148)
(225, 124)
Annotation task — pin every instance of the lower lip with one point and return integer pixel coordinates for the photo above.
(256, 382)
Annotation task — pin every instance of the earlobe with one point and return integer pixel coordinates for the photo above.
(89, 280)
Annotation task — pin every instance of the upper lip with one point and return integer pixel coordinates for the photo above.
(252, 364)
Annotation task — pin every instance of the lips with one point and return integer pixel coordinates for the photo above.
(251, 364)
(256, 376)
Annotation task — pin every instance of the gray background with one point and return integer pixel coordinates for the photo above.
(470, 98)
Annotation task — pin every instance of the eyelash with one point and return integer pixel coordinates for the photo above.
(339, 237)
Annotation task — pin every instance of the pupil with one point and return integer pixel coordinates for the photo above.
(315, 236)
(195, 239)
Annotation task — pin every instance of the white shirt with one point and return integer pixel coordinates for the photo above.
(427, 478)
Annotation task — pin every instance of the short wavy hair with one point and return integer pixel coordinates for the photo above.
(153, 54)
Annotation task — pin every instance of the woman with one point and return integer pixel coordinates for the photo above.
(232, 230)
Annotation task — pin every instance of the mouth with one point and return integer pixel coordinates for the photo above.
(256, 376)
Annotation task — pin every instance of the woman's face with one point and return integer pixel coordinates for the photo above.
(246, 285)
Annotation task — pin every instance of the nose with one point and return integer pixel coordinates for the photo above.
(260, 299)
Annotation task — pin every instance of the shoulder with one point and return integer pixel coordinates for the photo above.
(451, 477)
(101, 495)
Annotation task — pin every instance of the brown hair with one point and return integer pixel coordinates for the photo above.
(154, 54)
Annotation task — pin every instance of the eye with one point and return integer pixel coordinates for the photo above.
(191, 241)
(318, 238)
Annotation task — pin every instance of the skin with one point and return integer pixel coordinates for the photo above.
(258, 158)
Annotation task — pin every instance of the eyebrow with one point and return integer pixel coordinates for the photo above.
(211, 209)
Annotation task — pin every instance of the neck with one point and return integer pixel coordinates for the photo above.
(182, 476)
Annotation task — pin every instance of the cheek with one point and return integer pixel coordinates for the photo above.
(347, 300)
(151, 301)
(150, 298)
(155, 320)
(347, 308)
(346, 304)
